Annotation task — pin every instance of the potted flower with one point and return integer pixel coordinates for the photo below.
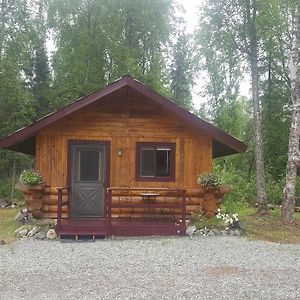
(31, 179)
(209, 181)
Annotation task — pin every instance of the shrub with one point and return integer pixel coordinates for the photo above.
(212, 179)
(31, 177)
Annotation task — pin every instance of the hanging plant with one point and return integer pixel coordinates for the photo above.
(209, 180)
(31, 177)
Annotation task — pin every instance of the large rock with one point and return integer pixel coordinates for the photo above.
(240, 226)
(211, 233)
(33, 231)
(40, 235)
(216, 231)
(22, 233)
(51, 234)
(237, 232)
(19, 217)
(190, 230)
(199, 232)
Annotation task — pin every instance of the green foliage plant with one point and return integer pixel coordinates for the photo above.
(209, 179)
(31, 177)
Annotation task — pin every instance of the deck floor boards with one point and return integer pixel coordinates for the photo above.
(120, 227)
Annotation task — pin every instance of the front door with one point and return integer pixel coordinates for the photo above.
(88, 179)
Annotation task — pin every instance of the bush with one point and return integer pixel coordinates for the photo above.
(212, 179)
(31, 177)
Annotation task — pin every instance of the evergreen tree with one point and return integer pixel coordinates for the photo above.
(182, 72)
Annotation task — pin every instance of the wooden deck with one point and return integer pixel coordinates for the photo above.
(120, 227)
(147, 225)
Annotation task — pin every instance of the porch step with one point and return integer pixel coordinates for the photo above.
(84, 227)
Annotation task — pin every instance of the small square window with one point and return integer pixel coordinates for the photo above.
(155, 161)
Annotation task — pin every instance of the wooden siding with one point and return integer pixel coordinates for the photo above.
(123, 121)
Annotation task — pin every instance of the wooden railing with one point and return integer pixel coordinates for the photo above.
(59, 207)
(149, 205)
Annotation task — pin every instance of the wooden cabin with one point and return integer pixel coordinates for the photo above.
(123, 160)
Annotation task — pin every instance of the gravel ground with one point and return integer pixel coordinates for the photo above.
(150, 268)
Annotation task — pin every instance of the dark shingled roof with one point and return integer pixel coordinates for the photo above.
(24, 139)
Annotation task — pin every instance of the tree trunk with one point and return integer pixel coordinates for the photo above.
(288, 203)
(259, 161)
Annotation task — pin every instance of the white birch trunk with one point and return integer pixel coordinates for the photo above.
(288, 203)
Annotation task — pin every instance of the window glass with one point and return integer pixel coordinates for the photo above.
(147, 162)
(89, 165)
(155, 161)
(163, 162)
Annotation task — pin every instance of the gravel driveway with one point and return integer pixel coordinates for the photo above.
(150, 268)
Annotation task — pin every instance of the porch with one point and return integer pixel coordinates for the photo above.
(130, 212)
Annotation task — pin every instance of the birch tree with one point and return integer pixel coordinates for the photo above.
(288, 203)
(232, 32)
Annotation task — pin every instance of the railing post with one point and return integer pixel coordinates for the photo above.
(109, 203)
(59, 210)
(183, 212)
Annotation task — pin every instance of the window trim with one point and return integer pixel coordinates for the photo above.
(138, 176)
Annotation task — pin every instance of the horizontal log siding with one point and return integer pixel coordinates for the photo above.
(124, 122)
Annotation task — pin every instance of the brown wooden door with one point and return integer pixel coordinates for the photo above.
(88, 168)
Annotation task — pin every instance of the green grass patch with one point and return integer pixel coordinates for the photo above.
(7, 224)
(258, 227)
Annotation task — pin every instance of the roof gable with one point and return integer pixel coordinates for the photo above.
(23, 140)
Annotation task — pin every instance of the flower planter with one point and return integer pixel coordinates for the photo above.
(37, 187)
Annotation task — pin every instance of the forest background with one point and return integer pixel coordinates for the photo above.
(98, 41)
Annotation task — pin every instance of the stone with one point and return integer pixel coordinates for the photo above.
(18, 229)
(2, 203)
(237, 232)
(22, 233)
(51, 234)
(190, 230)
(19, 217)
(216, 231)
(2, 242)
(239, 225)
(211, 233)
(33, 231)
(231, 232)
(40, 235)
(199, 233)
(224, 232)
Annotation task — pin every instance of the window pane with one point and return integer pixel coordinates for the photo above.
(163, 162)
(147, 163)
(89, 165)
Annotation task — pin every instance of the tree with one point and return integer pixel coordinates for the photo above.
(288, 203)
(99, 41)
(250, 36)
(182, 72)
(251, 15)
(41, 79)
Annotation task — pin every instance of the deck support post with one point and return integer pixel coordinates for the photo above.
(109, 204)
(59, 210)
(183, 210)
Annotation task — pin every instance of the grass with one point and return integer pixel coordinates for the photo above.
(270, 228)
(8, 225)
(266, 227)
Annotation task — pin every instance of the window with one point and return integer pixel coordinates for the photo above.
(89, 165)
(155, 161)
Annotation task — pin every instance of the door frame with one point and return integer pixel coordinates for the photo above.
(107, 145)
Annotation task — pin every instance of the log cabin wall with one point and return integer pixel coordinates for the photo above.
(124, 119)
